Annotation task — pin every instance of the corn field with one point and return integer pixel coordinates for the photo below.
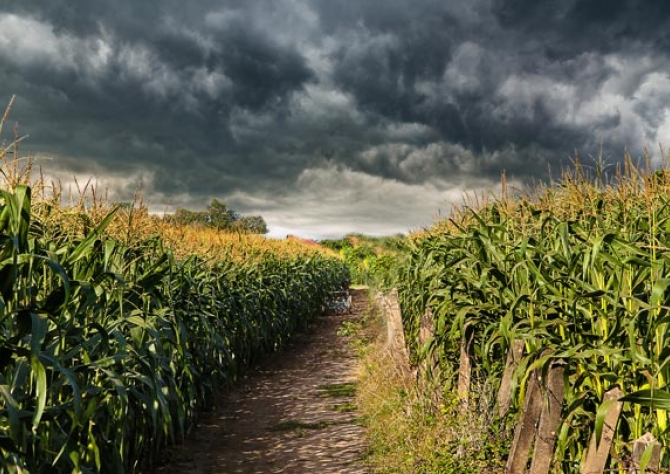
(578, 271)
(115, 330)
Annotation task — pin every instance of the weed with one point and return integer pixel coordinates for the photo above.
(349, 328)
(343, 407)
(336, 390)
(295, 425)
(408, 434)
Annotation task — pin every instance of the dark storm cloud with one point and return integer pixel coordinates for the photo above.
(144, 84)
(262, 74)
(218, 98)
(602, 25)
(514, 76)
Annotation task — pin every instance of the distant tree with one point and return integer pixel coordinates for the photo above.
(218, 216)
(193, 218)
(251, 225)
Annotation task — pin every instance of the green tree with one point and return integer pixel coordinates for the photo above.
(185, 217)
(218, 216)
(251, 225)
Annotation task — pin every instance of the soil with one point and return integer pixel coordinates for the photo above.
(295, 414)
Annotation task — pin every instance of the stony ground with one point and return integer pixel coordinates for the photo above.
(295, 414)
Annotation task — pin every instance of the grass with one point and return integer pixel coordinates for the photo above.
(296, 425)
(337, 390)
(409, 434)
(343, 407)
(349, 328)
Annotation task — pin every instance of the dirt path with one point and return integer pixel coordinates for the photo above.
(294, 415)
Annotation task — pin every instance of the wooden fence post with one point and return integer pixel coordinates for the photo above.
(524, 433)
(395, 342)
(641, 445)
(465, 368)
(426, 333)
(540, 419)
(505, 393)
(550, 420)
(598, 453)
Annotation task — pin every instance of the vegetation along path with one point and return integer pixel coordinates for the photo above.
(295, 414)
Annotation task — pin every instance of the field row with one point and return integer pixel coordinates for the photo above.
(577, 272)
(115, 331)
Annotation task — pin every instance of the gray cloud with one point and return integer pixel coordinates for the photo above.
(253, 101)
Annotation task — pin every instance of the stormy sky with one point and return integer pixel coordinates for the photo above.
(332, 116)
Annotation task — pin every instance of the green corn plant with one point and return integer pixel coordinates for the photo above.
(109, 348)
(577, 272)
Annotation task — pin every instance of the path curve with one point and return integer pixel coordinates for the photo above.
(294, 415)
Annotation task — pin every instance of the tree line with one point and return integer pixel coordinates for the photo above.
(218, 216)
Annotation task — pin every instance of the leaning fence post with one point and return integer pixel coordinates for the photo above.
(524, 433)
(596, 457)
(465, 367)
(646, 443)
(550, 420)
(505, 393)
(539, 422)
(395, 343)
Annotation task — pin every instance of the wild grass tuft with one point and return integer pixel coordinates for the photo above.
(410, 434)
